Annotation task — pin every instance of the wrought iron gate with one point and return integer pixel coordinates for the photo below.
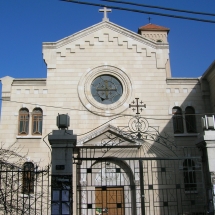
(119, 185)
(135, 170)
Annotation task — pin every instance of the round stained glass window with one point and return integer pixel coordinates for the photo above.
(106, 89)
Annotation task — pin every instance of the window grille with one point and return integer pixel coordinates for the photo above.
(23, 121)
(28, 178)
(190, 119)
(189, 175)
(37, 121)
(178, 120)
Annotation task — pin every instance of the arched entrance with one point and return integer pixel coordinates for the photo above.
(108, 187)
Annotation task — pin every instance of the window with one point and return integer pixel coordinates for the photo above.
(28, 178)
(189, 175)
(37, 121)
(23, 121)
(106, 89)
(190, 119)
(177, 120)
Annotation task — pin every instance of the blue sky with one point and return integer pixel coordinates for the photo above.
(25, 24)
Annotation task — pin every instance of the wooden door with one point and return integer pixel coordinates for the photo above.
(109, 200)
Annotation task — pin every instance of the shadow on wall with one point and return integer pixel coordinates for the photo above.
(183, 185)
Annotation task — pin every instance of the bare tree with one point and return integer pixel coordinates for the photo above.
(24, 187)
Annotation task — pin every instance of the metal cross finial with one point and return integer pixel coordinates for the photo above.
(137, 106)
(105, 10)
(149, 19)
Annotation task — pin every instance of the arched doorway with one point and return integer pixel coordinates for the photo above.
(108, 188)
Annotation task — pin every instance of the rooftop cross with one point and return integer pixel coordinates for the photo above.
(105, 10)
(149, 19)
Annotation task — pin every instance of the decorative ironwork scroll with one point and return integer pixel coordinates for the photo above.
(139, 132)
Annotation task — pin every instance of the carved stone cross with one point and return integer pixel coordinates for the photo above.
(105, 10)
(137, 106)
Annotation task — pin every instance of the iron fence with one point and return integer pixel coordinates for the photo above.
(24, 191)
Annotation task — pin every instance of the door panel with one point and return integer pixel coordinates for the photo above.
(109, 200)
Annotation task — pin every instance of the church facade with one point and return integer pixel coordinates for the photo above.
(141, 148)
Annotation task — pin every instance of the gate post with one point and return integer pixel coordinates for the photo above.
(62, 142)
(142, 188)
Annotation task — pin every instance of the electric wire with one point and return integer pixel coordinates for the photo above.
(140, 11)
(94, 112)
(119, 116)
(162, 8)
(46, 142)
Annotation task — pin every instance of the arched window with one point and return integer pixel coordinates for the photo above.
(190, 119)
(177, 120)
(189, 175)
(23, 121)
(37, 121)
(28, 178)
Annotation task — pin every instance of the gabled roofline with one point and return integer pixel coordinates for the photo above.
(100, 25)
(98, 132)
